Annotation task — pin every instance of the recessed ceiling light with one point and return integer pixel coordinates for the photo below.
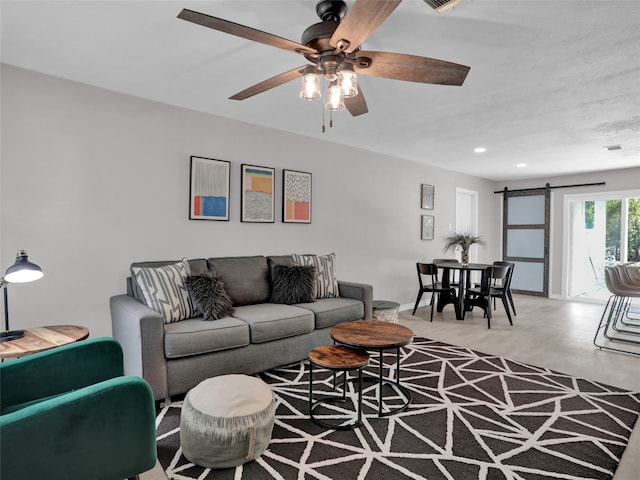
(521, 165)
(479, 149)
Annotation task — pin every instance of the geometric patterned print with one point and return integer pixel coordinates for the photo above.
(326, 280)
(298, 186)
(296, 196)
(163, 290)
(472, 416)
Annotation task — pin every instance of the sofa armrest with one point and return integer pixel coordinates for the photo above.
(358, 291)
(140, 331)
(59, 370)
(106, 430)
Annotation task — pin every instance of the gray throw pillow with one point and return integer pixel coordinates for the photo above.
(295, 284)
(208, 294)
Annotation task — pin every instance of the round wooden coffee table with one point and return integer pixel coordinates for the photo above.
(379, 336)
(42, 338)
(337, 358)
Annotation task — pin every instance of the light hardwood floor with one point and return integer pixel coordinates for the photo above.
(550, 333)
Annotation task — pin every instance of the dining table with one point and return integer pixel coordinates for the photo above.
(460, 299)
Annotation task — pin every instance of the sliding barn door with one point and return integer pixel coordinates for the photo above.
(525, 239)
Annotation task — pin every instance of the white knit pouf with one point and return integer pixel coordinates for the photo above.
(226, 421)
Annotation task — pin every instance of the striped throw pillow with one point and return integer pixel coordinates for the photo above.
(163, 289)
(326, 280)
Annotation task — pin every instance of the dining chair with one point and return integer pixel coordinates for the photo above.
(428, 279)
(507, 284)
(481, 296)
(451, 279)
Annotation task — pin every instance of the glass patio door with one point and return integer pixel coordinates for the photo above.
(604, 231)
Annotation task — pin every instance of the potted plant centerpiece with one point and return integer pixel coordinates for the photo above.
(464, 240)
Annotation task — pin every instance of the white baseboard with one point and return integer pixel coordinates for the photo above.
(409, 306)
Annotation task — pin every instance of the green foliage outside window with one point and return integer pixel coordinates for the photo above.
(633, 239)
(589, 214)
(613, 222)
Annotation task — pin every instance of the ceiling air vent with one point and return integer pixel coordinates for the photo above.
(442, 6)
(613, 148)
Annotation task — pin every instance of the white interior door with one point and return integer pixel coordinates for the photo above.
(467, 216)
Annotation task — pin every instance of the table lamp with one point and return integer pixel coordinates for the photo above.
(22, 271)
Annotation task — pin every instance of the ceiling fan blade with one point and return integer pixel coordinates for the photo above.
(356, 105)
(412, 68)
(269, 83)
(361, 20)
(243, 31)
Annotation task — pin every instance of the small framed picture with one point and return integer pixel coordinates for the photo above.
(257, 198)
(296, 197)
(426, 196)
(209, 189)
(427, 227)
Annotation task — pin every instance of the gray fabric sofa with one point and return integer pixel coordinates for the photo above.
(259, 335)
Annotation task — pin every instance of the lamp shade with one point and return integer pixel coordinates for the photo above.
(23, 270)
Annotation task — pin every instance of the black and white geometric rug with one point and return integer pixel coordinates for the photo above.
(473, 416)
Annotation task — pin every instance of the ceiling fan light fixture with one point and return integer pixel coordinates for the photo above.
(348, 82)
(310, 85)
(335, 99)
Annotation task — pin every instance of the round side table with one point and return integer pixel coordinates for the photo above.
(337, 358)
(42, 338)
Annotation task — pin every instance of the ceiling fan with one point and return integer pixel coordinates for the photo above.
(333, 48)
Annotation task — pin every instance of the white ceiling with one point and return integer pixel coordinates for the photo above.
(551, 82)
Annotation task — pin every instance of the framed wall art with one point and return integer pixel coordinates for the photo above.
(426, 196)
(209, 189)
(257, 194)
(296, 197)
(427, 227)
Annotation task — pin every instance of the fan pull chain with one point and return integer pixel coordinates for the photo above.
(322, 104)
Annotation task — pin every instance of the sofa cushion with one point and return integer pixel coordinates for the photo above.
(162, 289)
(270, 321)
(196, 336)
(326, 280)
(246, 279)
(273, 260)
(330, 311)
(208, 294)
(295, 284)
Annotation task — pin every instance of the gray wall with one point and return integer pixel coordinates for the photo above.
(92, 180)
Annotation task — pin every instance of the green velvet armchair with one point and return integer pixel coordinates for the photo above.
(69, 413)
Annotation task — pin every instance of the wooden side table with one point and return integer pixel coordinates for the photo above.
(380, 336)
(337, 358)
(42, 338)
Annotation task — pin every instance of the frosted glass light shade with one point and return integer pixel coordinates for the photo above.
(335, 99)
(348, 83)
(310, 86)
